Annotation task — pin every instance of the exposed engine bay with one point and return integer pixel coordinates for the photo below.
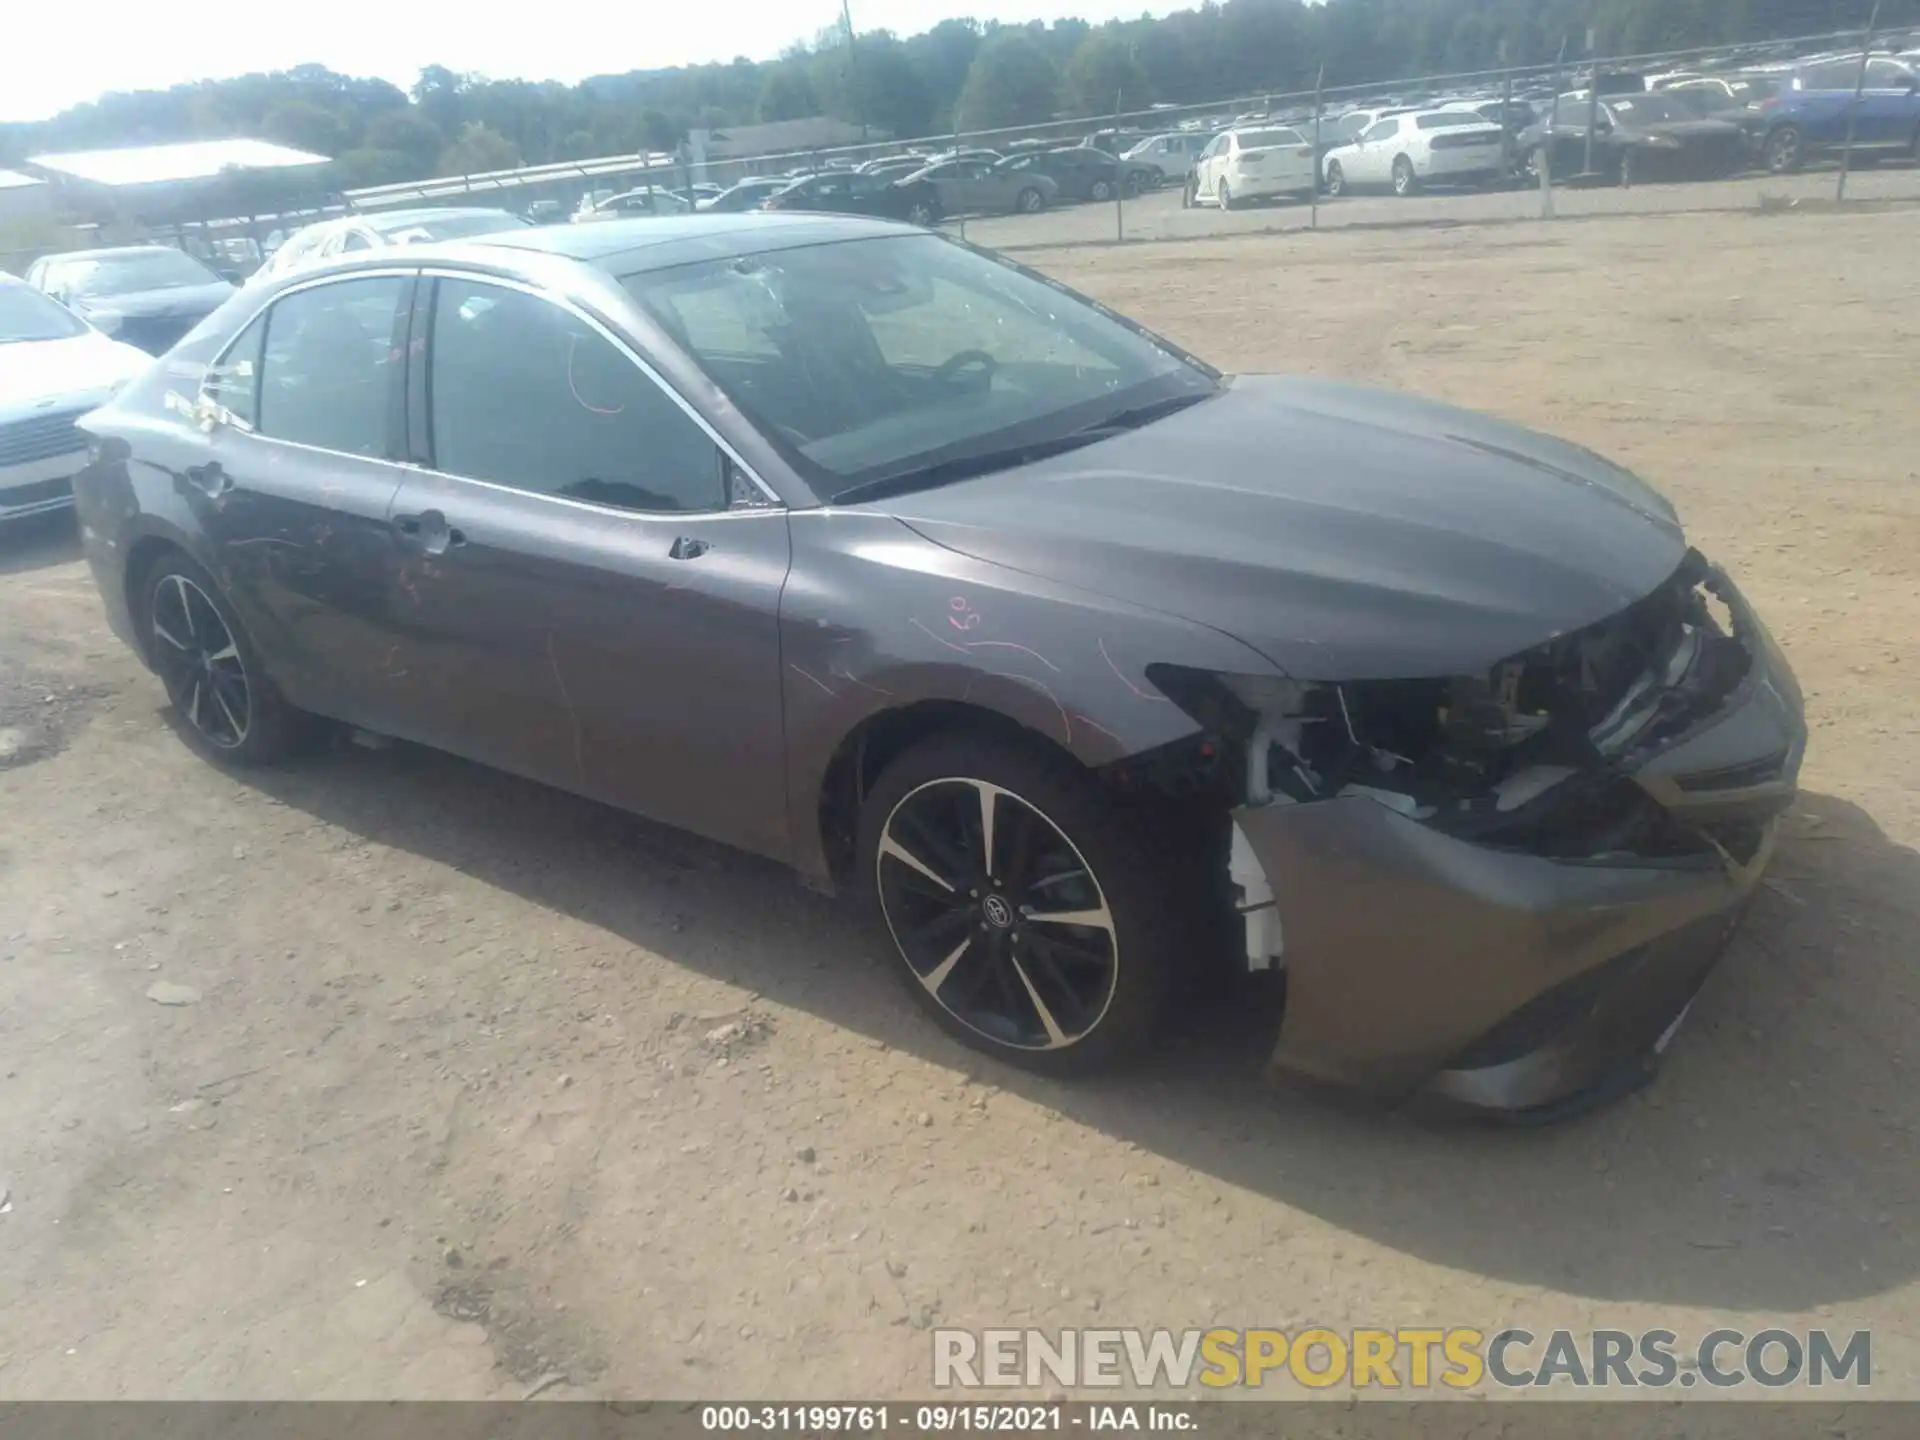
(1540, 754)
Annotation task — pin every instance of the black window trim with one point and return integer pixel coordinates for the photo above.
(419, 428)
(396, 398)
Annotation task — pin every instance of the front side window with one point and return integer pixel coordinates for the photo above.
(1384, 130)
(521, 392)
(870, 360)
(328, 371)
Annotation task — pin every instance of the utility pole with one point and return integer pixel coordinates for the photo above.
(853, 69)
(1859, 84)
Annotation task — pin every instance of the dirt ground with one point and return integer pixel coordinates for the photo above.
(480, 1087)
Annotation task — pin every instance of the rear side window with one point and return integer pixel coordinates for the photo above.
(1382, 131)
(523, 393)
(234, 383)
(327, 376)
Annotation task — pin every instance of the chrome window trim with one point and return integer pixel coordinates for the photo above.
(634, 356)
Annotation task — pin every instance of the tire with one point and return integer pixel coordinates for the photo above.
(1405, 182)
(1030, 201)
(1100, 190)
(1626, 169)
(1078, 997)
(230, 711)
(1336, 180)
(1225, 197)
(923, 212)
(1785, 150)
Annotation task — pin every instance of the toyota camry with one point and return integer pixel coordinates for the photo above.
(848, 544)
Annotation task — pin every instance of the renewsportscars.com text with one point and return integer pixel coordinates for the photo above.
(1408, 1358)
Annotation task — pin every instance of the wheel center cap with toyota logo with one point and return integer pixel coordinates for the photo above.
(998, 912)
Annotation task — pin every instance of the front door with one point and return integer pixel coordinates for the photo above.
(590, 589)
(300, 463)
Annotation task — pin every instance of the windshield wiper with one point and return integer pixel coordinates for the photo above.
(964, 467)
(1134, 416)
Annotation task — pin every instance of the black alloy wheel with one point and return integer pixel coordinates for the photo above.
(1030, 201)
(1030, 919)
(199, 662)
(229, 708)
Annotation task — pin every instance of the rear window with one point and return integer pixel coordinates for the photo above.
(1267, 139)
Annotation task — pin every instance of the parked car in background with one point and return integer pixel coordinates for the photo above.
(892, 167)
(632, 204)
(1422, 147)
(1352, 124)
(1808, 115)
(1084, 173)
(1725, 97)
(1116, 142)
(1253, 164)
(842, 192)
(1646, 136)
(384, 229)
(1087, 667)
(146, 295)
(747, 194)
(974, 187)
(54, 367)
(1172, 154)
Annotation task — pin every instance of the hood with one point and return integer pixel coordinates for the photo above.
(1344, 533)
(174, 301)
(78, 370)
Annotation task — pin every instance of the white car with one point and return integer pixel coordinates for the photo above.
(1404, 152)
(54, 368)
(380, 229)
(1253, 164)
(1171, 154)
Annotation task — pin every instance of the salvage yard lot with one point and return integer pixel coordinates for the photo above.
(482, 1089)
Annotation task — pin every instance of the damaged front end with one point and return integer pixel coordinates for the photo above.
(1506, 888)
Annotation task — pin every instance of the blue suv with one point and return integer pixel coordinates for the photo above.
(1807, 116)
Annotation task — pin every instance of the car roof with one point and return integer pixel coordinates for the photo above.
(385, 220)
(626, 247)
(104, 251)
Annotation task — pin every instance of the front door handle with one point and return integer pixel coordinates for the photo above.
(429, 531)
(686, 547)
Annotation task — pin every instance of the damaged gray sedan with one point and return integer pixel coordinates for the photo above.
(850, 545)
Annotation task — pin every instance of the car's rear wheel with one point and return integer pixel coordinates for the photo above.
(1627, 167)
(1225, 196)
(1029, 201)
(1336, 179)
(921, 212)
(1030, 916)
(1100, 190)
(1405, 182)
(1785, 150)
(230, 710)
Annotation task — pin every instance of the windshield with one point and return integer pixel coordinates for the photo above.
(26, 314)
(127, 274)
(871, 359)
(1646, 109)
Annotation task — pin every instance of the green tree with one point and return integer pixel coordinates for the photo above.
(305, 126)
(787, 94)
(1011, 82)
(354, 169)
(477, 151)
(407, 133)
(1103, 68)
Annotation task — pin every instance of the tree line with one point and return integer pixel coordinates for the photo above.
(959, 75)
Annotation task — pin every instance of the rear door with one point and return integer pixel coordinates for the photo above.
(1888, 111)
(300, 464)
(590, 586)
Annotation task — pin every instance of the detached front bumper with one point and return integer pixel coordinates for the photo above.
(1418, 962)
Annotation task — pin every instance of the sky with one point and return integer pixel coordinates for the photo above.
(141, 45)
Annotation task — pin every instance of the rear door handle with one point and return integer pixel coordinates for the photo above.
(686, 547)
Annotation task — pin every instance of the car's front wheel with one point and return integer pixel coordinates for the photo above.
(230, 710)
(1225, 196)
(1100, 190)
(1029, 201)
(1785, 150)
(922, 212)
(1405, 182)
(1030, 916)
